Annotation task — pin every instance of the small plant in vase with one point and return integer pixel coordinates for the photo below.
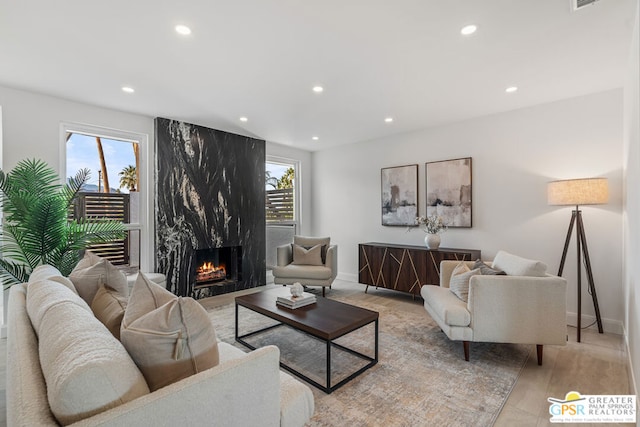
(432, 225)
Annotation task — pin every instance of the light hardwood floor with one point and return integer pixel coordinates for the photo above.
(597, 365)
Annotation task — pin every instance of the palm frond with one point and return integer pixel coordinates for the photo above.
(46, 225)
(86, 232)
(35, 177)
(12, 273)
(74, 185)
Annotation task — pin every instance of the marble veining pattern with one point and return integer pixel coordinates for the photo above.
(209, 193)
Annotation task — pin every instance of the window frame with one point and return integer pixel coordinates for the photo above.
(296, 188)
(143, 226)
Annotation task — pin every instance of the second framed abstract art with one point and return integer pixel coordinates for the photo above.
(449, 191)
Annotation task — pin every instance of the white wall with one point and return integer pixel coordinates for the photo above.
(514, 155)
(631, 215)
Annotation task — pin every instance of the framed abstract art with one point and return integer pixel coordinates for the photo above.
(449, 191)
(400, 195)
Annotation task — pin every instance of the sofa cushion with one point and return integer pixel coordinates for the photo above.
(459, 282)
(451, 309)
(514, 265)
(93, 271)
(486, 270)
(108, 306)
(169, 337)
(291, 271)
(303, 256)
(87, 370)
(44, 294)
(46, 271)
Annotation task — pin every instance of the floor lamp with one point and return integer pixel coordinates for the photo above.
(576, 192)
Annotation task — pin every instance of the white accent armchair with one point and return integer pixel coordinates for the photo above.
(322, 273)
(500, 309)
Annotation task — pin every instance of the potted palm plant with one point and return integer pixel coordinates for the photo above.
(36, 228)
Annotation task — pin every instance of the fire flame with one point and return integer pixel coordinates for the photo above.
(209, 267)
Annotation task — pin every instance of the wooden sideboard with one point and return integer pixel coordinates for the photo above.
(405, 268)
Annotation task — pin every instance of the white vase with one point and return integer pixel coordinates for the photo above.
(432, 241)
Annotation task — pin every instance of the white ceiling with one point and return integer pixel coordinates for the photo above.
(260, 59)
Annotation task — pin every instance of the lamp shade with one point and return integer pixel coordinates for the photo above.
(586, 191)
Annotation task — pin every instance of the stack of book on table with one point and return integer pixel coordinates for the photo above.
(290, 301)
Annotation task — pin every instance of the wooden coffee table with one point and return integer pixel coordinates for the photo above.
(326, 320)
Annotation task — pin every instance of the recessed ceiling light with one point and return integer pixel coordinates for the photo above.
(127, 89)
(388, 119)
(318, 89)
(468, 30)
(183, 29)
(511, 89)
(243, 119)
(315, 138)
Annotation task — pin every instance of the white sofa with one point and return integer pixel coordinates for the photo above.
(512, 308)
(245, 389)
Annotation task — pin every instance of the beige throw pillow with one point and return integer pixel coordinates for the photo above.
(169, 337)
(459, 282)
(108, 306)
(93, 271)
(49, 272)
(514, 265)
(86, 370)
(309, 242)
(311, 256)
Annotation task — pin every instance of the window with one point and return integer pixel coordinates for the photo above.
(280, 179)
(115, 188)
(281, 203)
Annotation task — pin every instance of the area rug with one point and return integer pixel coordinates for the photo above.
(421, 378)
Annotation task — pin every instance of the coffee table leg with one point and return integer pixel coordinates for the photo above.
(376, 339)
(328, 366)
(237, 321)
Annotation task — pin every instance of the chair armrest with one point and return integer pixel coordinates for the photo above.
(332, 260)
(284, 255)
(518, 309)
(447, 267)
(243, 391)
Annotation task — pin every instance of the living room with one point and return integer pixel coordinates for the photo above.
(516, 147)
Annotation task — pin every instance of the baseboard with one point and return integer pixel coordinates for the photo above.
(632, 376)
(348, 277)
(609, 325)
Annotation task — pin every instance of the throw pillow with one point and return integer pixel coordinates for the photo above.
(169, 337)
(93, 271)
(302, 256)
(486, 270)
(45, 294)
(514, 265)
(459, 282)
(309, 242)
(108, 306)
(49, 272)
(86, 370)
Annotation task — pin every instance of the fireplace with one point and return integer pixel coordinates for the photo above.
(210, 192)
(219, 268)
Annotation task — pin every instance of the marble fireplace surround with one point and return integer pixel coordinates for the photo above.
(209, 192)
